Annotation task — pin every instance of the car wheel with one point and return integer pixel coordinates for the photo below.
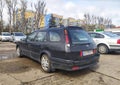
(18, 51)
(45, 63)
(103, 49)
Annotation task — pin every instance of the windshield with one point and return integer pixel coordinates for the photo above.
(19, 34)
(79, 37)
(110, 34)
(118, 33)
(6, 34)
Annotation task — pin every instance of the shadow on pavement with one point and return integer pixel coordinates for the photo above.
(115, 53)
(13, 67)
(73, 73)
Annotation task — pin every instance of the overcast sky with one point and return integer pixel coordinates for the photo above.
(77, 8)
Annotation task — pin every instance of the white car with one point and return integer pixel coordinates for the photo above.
(106, 41)
(116, 32)
(5, 36)
(17, 36)
(0, 37)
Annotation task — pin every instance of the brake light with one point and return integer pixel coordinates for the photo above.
(81, 53)
(66, 37)
(67, 43)
(118, 41)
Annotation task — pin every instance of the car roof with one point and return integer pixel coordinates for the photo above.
(4, 32)
(60, 28)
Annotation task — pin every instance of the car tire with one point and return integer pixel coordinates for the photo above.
(18, 51)
(103, 49)
(46, 63)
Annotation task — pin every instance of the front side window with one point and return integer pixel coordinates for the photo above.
(31, 36)
(54, 36)
(79, 37)
(41, 36)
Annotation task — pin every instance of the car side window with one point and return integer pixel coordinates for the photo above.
(92, 35)
(31, 36)
(99, 36)
(95, 35)
(41, 36)
(54, 36)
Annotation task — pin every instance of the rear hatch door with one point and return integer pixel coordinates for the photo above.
(81, 44)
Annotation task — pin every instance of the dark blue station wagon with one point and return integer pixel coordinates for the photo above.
(68, 48)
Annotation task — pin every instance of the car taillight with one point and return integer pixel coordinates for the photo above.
(66, 37)
(81, 53)
(118, 41)
(67, 42)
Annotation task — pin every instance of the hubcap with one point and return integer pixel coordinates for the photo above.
(45, 63)
(102, 49)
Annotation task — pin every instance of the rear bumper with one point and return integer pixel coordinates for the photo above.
(6, 39)
(71, 65)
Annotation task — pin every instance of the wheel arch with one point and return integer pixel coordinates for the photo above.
(45, 52)
(107, 48)
(103, 44)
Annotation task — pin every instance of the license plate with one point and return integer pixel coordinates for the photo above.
(89, 52)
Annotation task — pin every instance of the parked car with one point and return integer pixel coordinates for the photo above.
(5, 36)
(17, 36)
(116, 32)
(68, 48)
(0, 37)
(106, 41)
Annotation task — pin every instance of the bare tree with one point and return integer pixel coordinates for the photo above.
(96, 22)
(39, 12)
(23, 10)
(14, 4)
(9, 6)
(2, 4)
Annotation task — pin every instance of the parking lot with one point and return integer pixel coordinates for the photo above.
(24, 71)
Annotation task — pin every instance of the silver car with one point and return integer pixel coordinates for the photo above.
(5, 36)
(17, 36)
(106, 41)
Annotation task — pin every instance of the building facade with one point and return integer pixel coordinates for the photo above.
(48, 20)
(53, 20)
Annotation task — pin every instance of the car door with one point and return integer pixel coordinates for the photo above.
(56, 43)
(98, 38)
(26, 44)
(37, 45)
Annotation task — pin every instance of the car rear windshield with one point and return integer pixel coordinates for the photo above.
(6, 34)
(19, 34)
(79, 36)
(110, 34)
